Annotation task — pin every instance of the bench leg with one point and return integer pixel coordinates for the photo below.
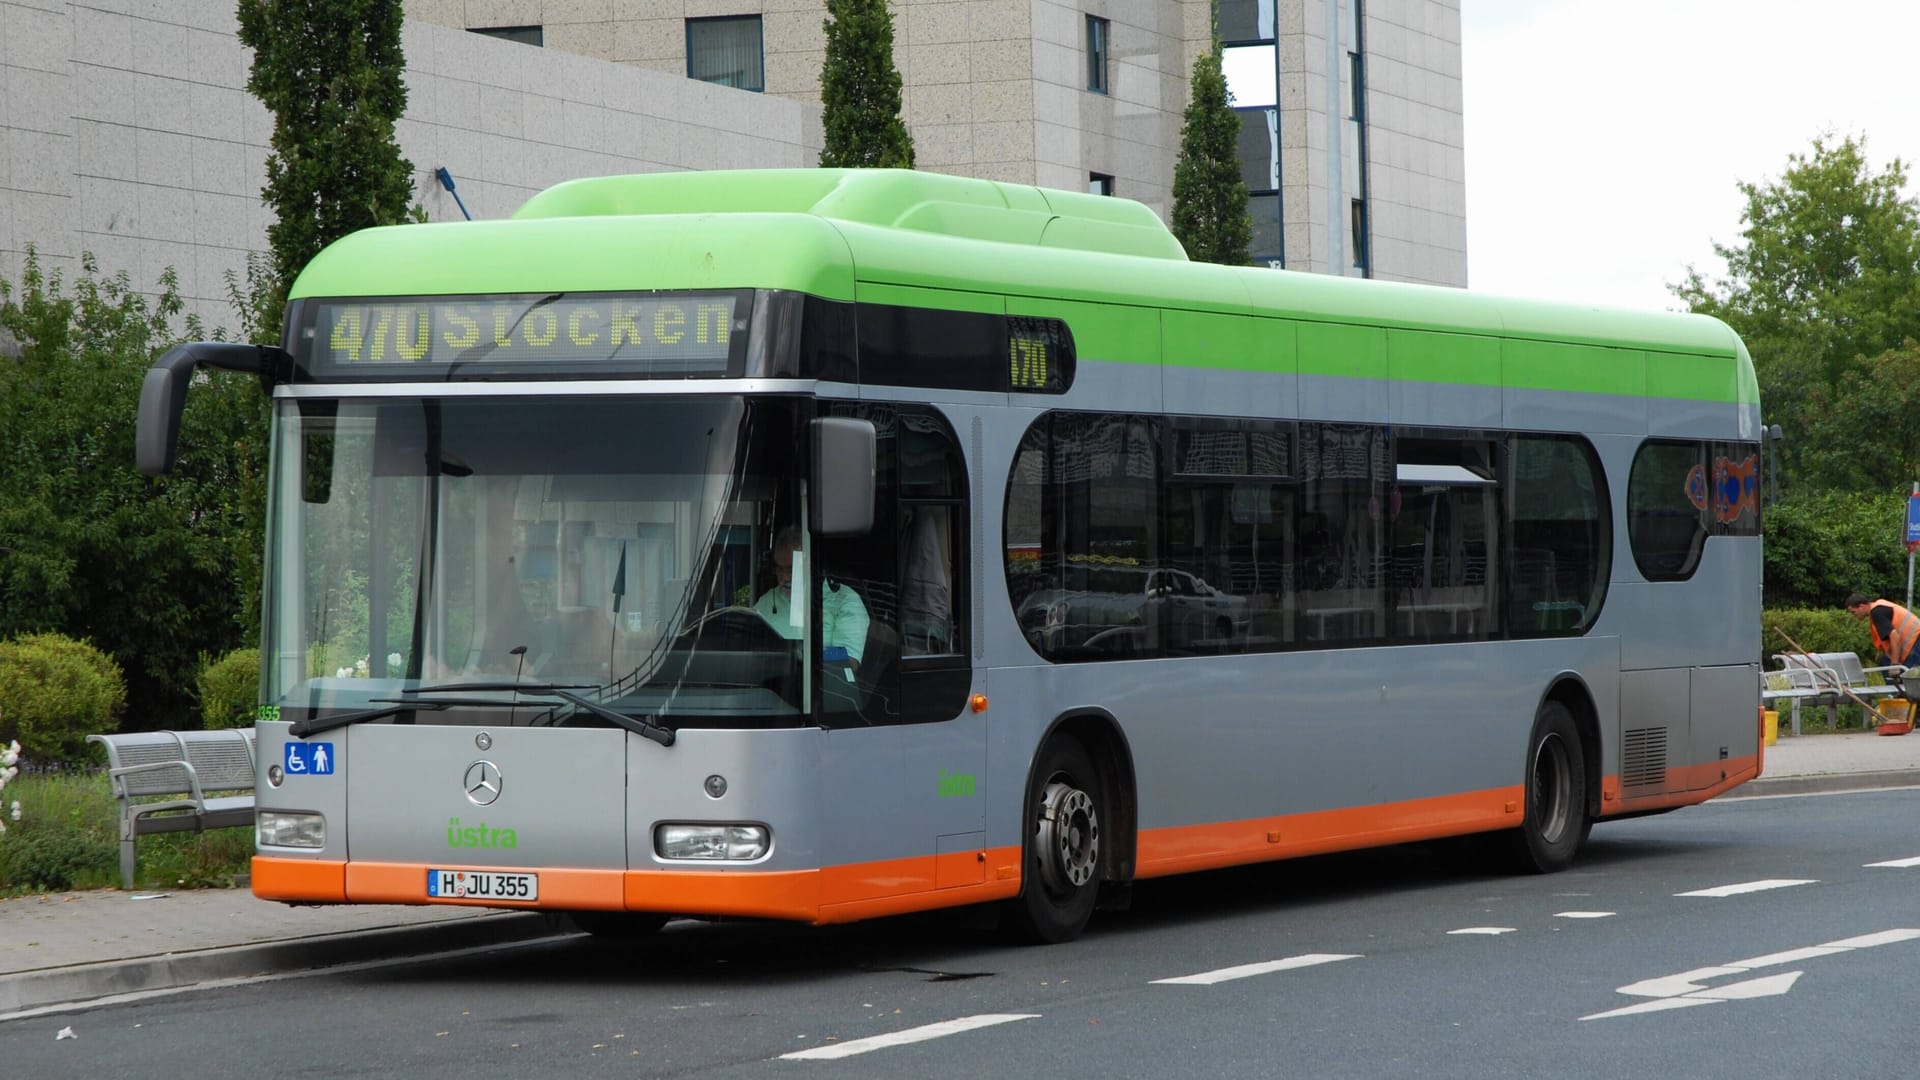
(126, 863)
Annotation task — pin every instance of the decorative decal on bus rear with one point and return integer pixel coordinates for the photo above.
(479, 836)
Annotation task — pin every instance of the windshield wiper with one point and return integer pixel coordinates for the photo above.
(314, 725)
(476, 687)
(644, 728)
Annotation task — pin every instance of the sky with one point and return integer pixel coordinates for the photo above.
(1605, 139)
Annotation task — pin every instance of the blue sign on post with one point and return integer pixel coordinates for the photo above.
(1913, 523)
(309, 759)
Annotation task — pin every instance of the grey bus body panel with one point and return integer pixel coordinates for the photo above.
(1284, 733)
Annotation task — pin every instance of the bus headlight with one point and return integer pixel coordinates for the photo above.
(277, 828)
(731, 843)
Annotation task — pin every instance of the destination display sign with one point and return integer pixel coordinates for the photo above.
(654, 334)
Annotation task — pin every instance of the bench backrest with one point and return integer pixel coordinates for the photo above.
(223, 760)
(1845, 665)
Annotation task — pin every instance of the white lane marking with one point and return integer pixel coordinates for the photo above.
(1583, 914)
(901, 1038)
(1749, 886)
(1899, 864)
(1488, 930)
(1868, 941)
(1688, 987)
(1208, 978)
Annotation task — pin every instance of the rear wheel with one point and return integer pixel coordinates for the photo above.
(1062, 861)
(619, 925)
(1556, 821)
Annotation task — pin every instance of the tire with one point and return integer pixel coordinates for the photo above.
(1556, 822)
(619, 925)
(1064, 856)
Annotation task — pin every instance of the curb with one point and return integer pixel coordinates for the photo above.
(1823, 783)
(76, 985)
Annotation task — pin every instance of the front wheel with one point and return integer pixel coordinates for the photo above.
(1556, 821)
(1062, 860)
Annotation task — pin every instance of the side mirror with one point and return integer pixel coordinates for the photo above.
(163, 396)
(844, 453)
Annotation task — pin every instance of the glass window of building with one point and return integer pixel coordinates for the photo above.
(1099, 33)
(727, 51)
(1099, 184)
(525, 35)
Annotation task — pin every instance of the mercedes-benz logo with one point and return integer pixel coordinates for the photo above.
(482, 783)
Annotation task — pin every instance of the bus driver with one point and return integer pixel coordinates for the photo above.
(843, 617)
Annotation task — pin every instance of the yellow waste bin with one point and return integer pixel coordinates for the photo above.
(1771, 719)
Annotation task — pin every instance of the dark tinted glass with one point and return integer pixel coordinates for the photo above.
(1668, 495)
(1562, 536)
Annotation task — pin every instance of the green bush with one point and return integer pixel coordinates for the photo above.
(52, 860)
(54, 692)
(1817, 630)
(1822, 545)
(230, 689)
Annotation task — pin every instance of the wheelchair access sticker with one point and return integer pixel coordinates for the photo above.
(309, 759)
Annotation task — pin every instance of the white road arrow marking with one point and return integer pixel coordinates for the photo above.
(1899, 864)
(1208, 978)
(1689, 988)
(1583, 914)
(1488, 930)
(1749, 886)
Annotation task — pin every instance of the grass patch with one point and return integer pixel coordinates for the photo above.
(68, 837)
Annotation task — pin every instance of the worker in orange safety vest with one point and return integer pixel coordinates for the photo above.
(1895, 630)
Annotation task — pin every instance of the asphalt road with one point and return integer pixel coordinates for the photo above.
(1392, 963)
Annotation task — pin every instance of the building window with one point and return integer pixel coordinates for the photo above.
(1098, 31)
(727, 51)
(525, 35)
(1360, 232)
(1099, 184)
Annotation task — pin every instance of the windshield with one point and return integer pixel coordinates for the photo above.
(425, 552)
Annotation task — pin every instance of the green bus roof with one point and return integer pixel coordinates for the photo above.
(959, 242)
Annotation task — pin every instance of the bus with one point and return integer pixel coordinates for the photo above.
(817, 545)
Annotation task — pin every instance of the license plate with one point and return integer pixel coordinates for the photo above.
(481, 885)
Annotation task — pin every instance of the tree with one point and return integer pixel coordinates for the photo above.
(1210, 216)
(1824, 280)
(860, 90)
(153, 574)
(329, 72)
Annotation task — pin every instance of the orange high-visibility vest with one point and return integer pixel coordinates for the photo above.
(1906, 631)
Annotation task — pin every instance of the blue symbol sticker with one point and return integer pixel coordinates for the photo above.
(309, 759)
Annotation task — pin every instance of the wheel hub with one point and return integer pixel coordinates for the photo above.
(1069, 837)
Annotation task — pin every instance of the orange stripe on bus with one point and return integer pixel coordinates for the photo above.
(1178, 849)
(322, 881)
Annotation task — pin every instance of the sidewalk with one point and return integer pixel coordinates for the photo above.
(73, 947)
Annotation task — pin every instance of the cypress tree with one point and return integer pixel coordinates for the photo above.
(1210, 216)
(329, 72)
(860, 90)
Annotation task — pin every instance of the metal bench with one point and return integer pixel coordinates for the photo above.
(1823, 679)
(162, 779)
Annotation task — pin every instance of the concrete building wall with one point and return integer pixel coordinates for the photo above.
(126, 131)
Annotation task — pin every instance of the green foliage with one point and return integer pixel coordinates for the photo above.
(53, 860)
(1823, 285)
(67, 838)
(230, 689)
(860, 90)
(54, 692)
(1822, 545)
(329, 72)
(1210, 216)
(153, 572)
(1817, 630)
